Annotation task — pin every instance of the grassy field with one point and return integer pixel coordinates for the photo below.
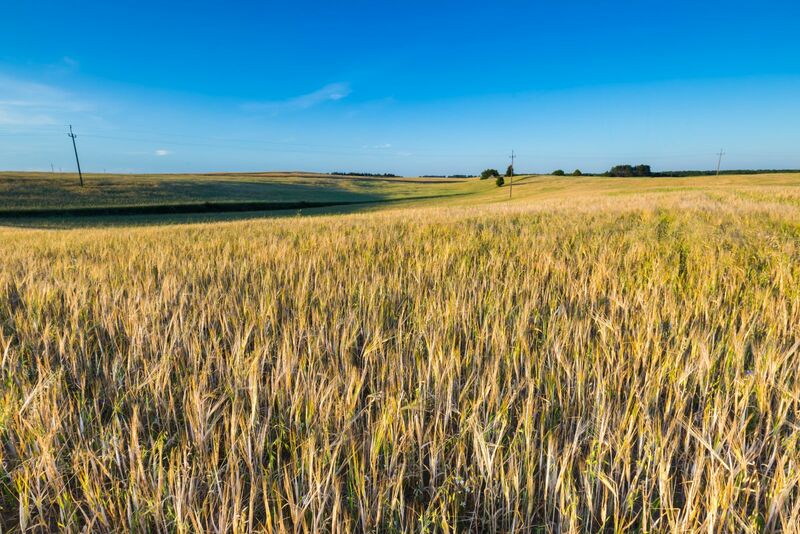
(45, 190)
(594, 355)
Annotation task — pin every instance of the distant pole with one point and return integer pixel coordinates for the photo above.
(719, 161)
(52, 169)
(75, 148)
(511, 178)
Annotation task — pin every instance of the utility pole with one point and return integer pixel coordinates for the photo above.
(75, 148)
(719, 161)
(52, 169)
(511, 178)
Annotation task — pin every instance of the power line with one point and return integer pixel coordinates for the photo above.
(299, 147)
(75, 148)
(285, 147)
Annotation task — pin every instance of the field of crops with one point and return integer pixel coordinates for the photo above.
(28, 190)
(594, 355)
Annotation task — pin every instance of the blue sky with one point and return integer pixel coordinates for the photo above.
(414, 87)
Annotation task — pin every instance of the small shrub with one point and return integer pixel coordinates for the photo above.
(488, 173)
(500, 181)
(577, 172)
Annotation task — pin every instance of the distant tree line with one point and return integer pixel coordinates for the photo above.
(633, 171)
(681, 174)
(644, 170)
(384, 175)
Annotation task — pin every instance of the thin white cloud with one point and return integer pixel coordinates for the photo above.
(383, 146)
(12, 117)
(26, 103)
(330, 93)
(162, 152)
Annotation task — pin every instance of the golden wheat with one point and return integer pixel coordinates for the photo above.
(571, 365)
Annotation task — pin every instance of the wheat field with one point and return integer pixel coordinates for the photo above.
(573, 362)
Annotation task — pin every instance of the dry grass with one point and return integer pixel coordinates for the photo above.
(575, 364)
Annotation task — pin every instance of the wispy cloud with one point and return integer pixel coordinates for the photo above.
(70, 62)
(161, 152)
(26, 103)
(383, 146)
(330, 93)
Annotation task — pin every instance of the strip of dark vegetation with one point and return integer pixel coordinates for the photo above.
(679, 174)
(171, 209)
(623, 171)
(631, 171)
(204, 207)
(384, 175)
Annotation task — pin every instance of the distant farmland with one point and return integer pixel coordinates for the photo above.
(43, 190)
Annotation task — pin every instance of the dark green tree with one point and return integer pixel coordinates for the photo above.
(625, 171)
(500, 181)
(488, 173)
(621, 171)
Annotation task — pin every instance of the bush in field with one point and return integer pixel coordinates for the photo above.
(500, 181)
(510, 171)
(577, 172)
(489, 173)
(558, 172)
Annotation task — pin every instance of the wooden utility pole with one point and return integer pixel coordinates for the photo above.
(719, 161)
(511, 178)
(75, 148)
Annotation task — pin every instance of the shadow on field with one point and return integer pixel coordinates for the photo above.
(22, 192)
(157, 215)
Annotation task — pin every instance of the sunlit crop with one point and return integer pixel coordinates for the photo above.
(577, 364)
